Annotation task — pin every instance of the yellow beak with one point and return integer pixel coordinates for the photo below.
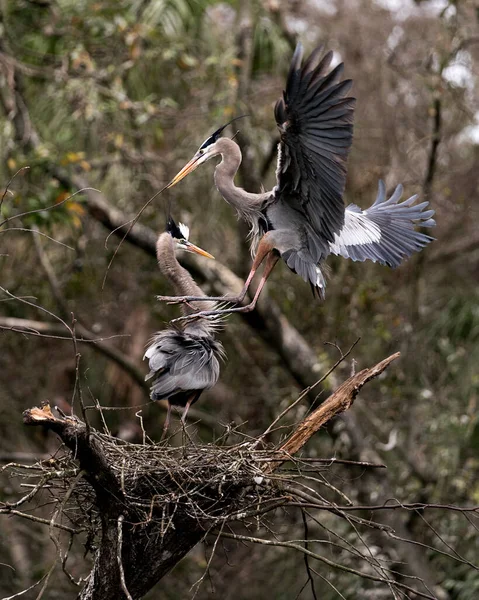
(192, 248)
(188, 168)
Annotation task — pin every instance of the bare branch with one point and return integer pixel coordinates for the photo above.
(17, 513)
(306, 392)
(330, 563)
(41, 328)
(45, 579)
(50, 273)
(337, 403)
(7, 187)
(48, 208)
(118, 556)
(435, 140)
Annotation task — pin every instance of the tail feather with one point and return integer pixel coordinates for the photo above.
(305, 267)
(385, 232)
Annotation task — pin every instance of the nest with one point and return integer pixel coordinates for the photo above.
(150, 484)
(161, 485)
(207, 482)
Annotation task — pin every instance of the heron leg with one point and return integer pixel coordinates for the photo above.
(273, 258)
(271, 261)
(264, 248)
(167, 421)
(187, 408)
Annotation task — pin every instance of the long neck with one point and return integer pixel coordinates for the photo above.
(247, 204)
(183, 283)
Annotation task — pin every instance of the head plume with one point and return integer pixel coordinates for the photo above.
(178, 232)
(214, 136)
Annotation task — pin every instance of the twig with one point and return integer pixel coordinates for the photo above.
(132, 223)
(23, 456)
(456, 556)
(118, 557)
(207, 568)
(6, 190)
(36, 232)
(331, 461)
(59, 510)
(28, 496)
(37, 307)
(47, 208)
(435, 141)
(102, 416)
(400, 505)
(306, 557)
(41, 329)
(330, 563)
(138, 414)
(76, 386)
(45, 583)
(18, 594)
(307, 391)
(17, 513)
(331, 585)
(50, 273)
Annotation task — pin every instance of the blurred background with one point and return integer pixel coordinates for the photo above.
(118, 95)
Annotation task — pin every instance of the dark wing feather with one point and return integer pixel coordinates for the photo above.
(384, 232)
(315, 119)
(182, 363)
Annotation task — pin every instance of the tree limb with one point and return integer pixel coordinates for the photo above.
(435, 140)
(42, 328)
(140, 574)
(341, 400)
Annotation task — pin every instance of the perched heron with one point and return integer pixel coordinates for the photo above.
(183, 360)
(303, 219)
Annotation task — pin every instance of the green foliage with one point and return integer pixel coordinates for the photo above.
(459, 319)
(271, 50)
(466, 587)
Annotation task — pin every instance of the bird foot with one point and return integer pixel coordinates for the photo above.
(213, 313)
(187, 299)
(173, 299)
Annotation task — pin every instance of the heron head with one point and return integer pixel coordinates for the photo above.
(207, 150)
(180, 234)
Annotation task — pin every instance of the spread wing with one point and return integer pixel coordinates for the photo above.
(181, 363)
(384, 232)
(315, 118)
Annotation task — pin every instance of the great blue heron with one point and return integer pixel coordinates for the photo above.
(183, 360)
(303, 219)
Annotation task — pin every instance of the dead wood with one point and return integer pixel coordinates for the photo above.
(341, 400)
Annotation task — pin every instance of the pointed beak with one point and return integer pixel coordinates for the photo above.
(192, 248)
(188, 168)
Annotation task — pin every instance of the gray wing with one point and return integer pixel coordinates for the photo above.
(316, 124)
(181, 363)
(384, 232)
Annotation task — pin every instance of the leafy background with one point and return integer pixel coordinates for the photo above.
(122, 93)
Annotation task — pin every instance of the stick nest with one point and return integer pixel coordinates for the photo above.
(205, 482)
(161, 484)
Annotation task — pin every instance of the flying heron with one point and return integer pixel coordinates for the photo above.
(303, 218)
(183, 360)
